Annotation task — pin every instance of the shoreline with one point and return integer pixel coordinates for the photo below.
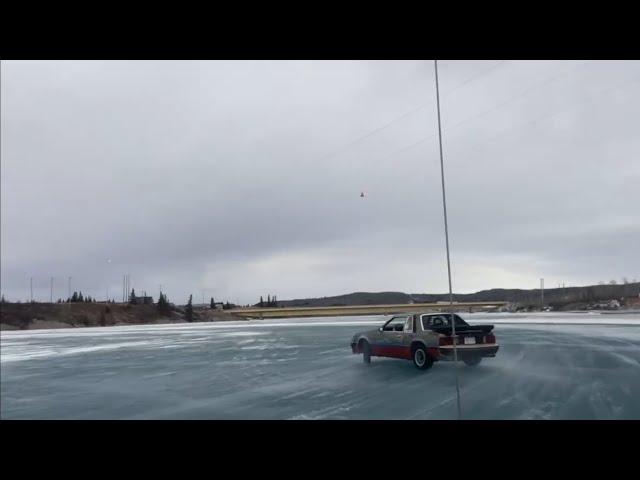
(4, 327)
(312, 321)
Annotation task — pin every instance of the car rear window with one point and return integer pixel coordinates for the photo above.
(429, 321)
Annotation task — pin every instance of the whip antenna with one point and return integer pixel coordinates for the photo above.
(446, 236)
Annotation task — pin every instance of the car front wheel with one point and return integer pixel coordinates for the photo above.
(421, 358)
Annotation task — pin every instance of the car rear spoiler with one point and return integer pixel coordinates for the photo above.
(484, 329)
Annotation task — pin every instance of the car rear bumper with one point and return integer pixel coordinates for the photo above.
(489, 350)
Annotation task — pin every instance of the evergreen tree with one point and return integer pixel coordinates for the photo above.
(188, 311)
(213, 304)
(2, 300)
(163, 305)
(74, 297)
(261, 302)
(268, 300)
(80, 297)
(132, 297)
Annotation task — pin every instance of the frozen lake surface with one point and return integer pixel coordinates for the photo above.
(550, 366)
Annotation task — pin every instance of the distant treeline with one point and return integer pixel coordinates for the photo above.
(552, 296)
(271, 302)
(77, 297)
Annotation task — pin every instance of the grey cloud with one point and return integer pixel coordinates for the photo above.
(232, 177)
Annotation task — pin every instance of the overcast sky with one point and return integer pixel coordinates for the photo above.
(238, 179)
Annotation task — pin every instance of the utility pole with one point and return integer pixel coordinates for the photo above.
(106, 300)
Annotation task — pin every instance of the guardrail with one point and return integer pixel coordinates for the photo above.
(355, 310)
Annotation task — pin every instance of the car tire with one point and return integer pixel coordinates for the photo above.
(366, 352)
(472, 361)
(421, 359)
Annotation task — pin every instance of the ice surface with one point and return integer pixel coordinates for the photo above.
(550, 365)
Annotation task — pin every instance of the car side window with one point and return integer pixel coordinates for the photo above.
(408, 325)
(396, 324)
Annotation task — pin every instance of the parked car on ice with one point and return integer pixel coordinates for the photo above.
(426, 338)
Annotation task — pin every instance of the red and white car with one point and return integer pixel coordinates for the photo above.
(426, 338)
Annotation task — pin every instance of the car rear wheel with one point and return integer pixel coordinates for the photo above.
(472, 361)
(421, 358)
(366, 352)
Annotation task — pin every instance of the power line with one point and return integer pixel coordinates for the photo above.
(517, 97)
(485, 112)
(406, 114)
(596, 95)
(481, 74)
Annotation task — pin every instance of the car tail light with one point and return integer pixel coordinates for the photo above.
(490, 338)
(446, 341)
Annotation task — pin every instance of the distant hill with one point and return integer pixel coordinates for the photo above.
(552, 296)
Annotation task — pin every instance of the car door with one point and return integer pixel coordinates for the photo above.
(391, 338)
(408, 334)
